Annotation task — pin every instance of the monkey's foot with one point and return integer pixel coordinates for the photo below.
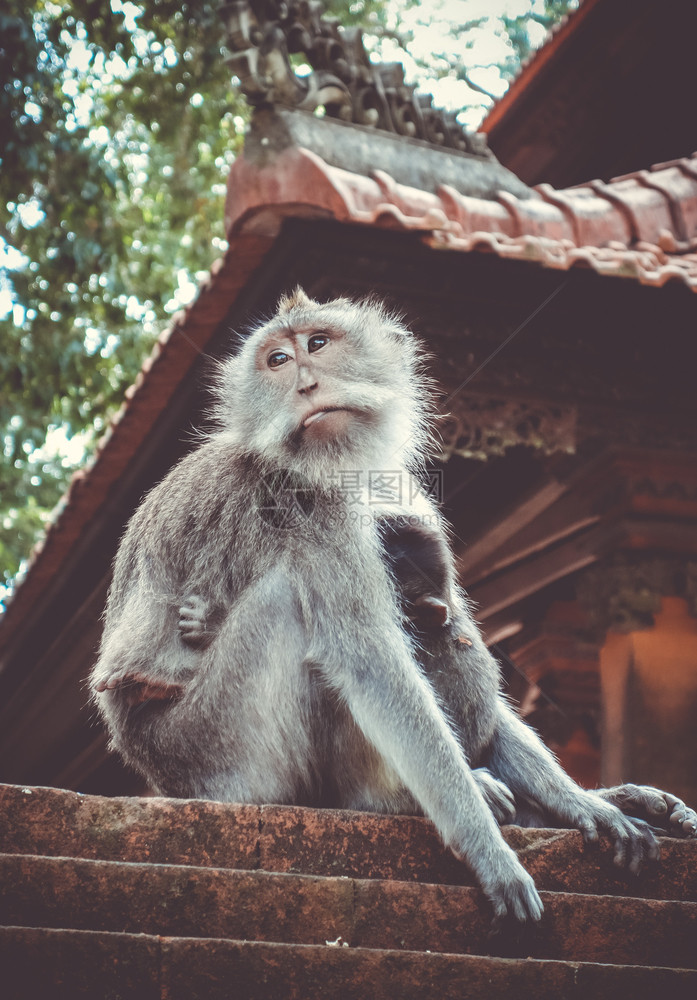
(632, 838)
(666, 813)
(497, 795)
(431, 612)
(137, 689)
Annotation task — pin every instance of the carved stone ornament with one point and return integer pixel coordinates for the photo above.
(263, 34)
(623, 593)
(485, 428)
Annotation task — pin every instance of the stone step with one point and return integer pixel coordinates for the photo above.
(186, 901)
(67, 964)
(311, 841)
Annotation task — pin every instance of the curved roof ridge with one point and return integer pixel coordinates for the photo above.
(641, 225)
(530, 67)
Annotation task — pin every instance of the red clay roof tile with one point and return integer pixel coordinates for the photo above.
(642, 225)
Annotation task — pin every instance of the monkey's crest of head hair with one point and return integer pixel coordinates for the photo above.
(371, 366)
(293, 300)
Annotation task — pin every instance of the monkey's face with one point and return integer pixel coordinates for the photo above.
(327, 385)
(306, 370)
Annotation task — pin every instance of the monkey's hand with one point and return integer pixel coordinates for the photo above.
(633, 839)
(497, 795)
(508, 887)
(665, 812)
(196, 626)
(137, 688)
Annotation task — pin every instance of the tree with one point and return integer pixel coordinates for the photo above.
(110, 194)
(122, 124)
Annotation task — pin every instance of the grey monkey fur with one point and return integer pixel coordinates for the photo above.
(254, 661)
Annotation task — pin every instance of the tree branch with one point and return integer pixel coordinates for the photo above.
(463, 74)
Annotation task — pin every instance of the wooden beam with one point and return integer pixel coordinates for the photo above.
(565, 518)
(475, 559)
(505, 589)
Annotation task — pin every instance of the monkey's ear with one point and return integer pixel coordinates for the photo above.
(296, 298)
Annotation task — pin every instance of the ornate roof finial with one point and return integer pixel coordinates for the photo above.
(263, 34)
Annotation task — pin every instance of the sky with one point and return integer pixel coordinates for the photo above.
(484, 48)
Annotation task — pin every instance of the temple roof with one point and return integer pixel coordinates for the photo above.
(604, 94)
(537, 63)
(642, 226)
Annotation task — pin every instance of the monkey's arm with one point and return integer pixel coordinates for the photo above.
(169, 550)
(395, 708)
(136, 656)
(519, 757)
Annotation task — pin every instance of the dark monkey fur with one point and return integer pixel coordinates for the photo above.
(252, 659)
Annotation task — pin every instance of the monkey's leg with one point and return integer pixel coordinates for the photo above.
(254, 693)
(519, 757)
(238, 729)
(665, 812)
(465, 675)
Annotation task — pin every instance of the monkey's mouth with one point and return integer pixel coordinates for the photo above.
(316, 415)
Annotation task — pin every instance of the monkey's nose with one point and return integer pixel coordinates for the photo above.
(304, 387)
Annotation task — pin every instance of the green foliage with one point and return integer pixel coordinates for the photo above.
(111, 187)
(120, 123)
(518, 30)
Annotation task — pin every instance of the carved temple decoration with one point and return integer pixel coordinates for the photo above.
(623, 593)
(481, 428)
(263, 35)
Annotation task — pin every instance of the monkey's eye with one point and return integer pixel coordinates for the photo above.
(277, 358)
(317, 341)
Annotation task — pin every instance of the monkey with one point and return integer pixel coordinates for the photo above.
(419, 559)
(197, 628)
(259, 653)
